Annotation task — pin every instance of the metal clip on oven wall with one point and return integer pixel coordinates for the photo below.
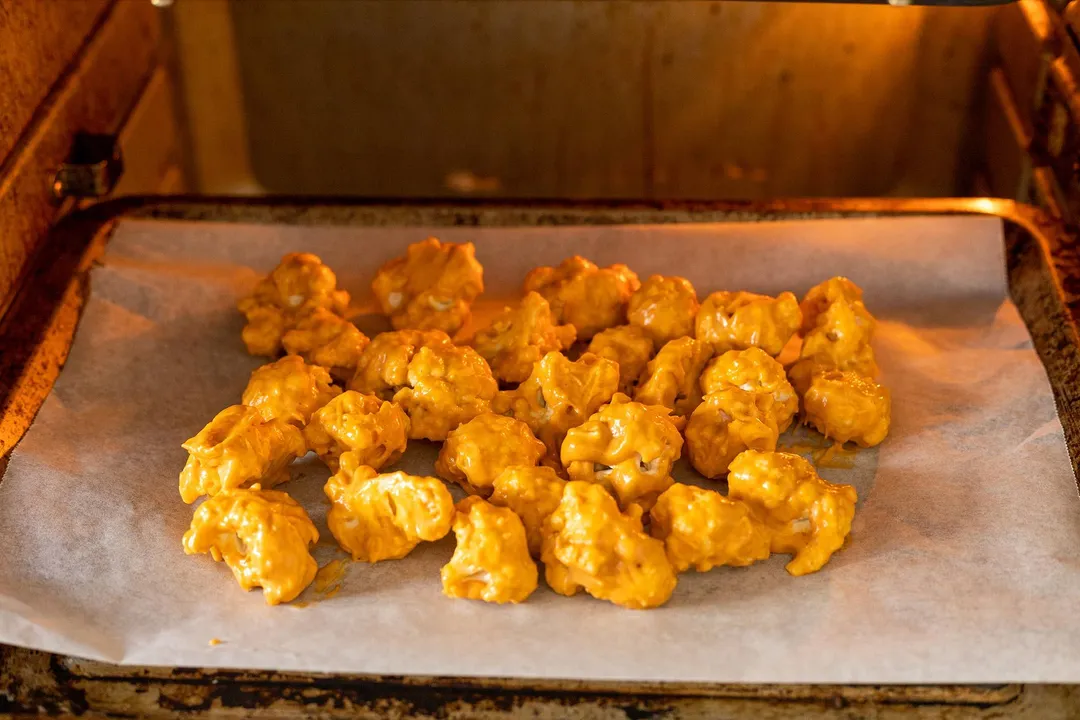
(92, 168)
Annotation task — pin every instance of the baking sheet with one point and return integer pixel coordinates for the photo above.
(963, 564)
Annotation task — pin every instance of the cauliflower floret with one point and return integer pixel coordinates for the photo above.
(586, 296)
(559, 395)
(300, 284)
(383, 517)
(289, 389)
(753, 370)
(491, 561)
(262, 535)
(627, 345)
(447, 385)
(672, 377)
(519, 337)
(841, 339)
(837, 329)
(531, 492)
(726, 423)
(329, 340)
(847, 406)
(374, 430)
(238, 449)
(628, 448)
(665, 307)
(431, 287)
(739, 320)
(822, 295)
(589, 544)
(383, 368)
(476, 452)
(808, 516)
(703, 529)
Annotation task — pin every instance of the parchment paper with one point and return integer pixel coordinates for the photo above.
(963, 562)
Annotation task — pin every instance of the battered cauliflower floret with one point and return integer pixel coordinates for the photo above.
(630, 347)
(802, 372)
(262, 535)
(837, 329)
(590, 544)
(672, 377)
(447, 385)
(431, 287)
(841, 338)
(818, 299)
(703, 529)
(289, 389)
(238, 448)
(559, 395)
(383, 368)
(847, 406)
(739, 320)
(491, 561)
(377, 517)
(628, 448)
(531, 492)
(477, 451)
(753, 370)
(588, 297)
(374, 430)
(519, 337)
(726, 423)
(300, 284)
(665, 307)
(808, 517)
(328, 340)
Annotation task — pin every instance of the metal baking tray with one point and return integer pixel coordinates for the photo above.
(36, 333)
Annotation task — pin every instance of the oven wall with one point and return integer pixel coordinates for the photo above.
(580, 99)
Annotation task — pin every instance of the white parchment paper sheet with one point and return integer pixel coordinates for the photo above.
(964, 564)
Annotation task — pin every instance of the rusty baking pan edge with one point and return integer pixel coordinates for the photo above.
(35, 336)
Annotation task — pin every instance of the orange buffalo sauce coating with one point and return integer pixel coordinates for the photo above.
(672, 377)
(589, 543)
(476, 452)
(847, 406)
(818, 299)
(532, 493)
(238, 449)
(629, 346)
(559, 395)
(262, 535)
(431, 287)
(588, 297)
(726, 423)
(377, 517)
(808, 516)
(703, 529)
(739, 320)
(665, 308)
(383, 367)
(328, 340)
(841, 339)
(518, 337)
(491, 561)
(447, 385)
(755, 371)
(300, 284)
(628, 448)
(289, 389)
(836, 333)
(375, 430)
